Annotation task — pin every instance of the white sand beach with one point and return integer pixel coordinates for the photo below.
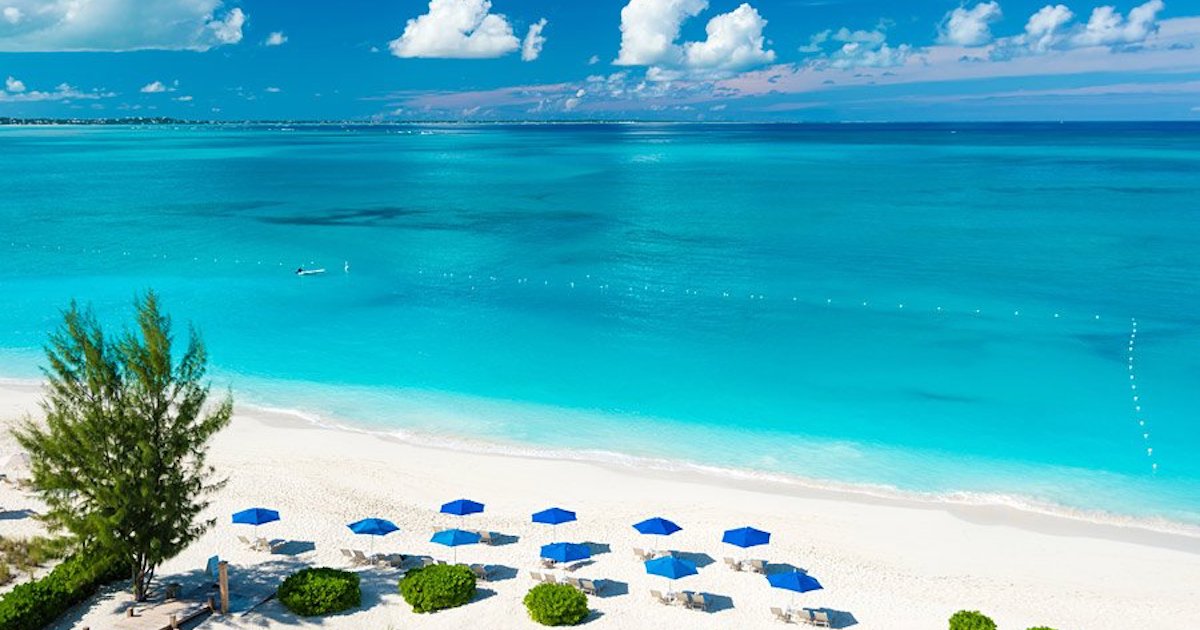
(887, 564)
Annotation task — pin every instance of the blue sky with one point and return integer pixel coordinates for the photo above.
(804, 60)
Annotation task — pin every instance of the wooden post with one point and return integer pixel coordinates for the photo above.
(174, 622)
(223, 582)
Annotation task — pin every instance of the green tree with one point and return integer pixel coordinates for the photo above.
(121, 458)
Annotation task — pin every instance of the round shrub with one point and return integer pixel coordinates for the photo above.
(438, 587)
(971, 620)
(556, 605)
(320, 591)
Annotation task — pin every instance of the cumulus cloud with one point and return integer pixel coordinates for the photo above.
(969, 27)
(1053, 27)
(229, 29)
(273, 90)
(275, 39)
(857, 49)
(14, 85)
(154, 87)
(185, 99)
(650, 30)
(534, 40)
(117, 25)
(1106, 27)
(63, 92)
(457, 29)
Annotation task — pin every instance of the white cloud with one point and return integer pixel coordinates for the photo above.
(229, 30)
(593, 60)
(155, 87)
(456, 29)
(14, 85)
(1053, 28)
(63, 92)
(1106, 27)
(534, 40)
(117, 25)
(650, 28)
(867, 55)
(273, 90)
(185, 99)
(970, 27)
(1044, 28)
(859, 49)
(276, 38)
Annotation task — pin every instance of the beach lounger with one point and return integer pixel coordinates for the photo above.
(660, 598)
(682, 598)
(246, 541)
(348, 554)
(697, 601)
(549, 579)
(269, 546)
(360, 557)
(733, 564)
(780, 615)
(642, 555)
(486, 538)
(757, 566)
(388, 560)
(537, 577)
(570, 581)
(589, 587)
(819, 618)
(480, 572)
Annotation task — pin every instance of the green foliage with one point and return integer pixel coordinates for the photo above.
(438, 587)
(321, 591)
(121, 459)
(1041, 628)
(36, 604)
(27, 554)
(556, 605)
(971, 620)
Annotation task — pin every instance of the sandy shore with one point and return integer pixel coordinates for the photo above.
(887, 564)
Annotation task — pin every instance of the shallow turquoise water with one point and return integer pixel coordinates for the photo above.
(759, 297)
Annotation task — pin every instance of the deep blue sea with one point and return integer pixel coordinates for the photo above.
(944, 309)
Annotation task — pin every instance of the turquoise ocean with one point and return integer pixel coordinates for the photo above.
(966, 312)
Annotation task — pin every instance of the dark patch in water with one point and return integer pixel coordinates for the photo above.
(944, 397)
(346, 217)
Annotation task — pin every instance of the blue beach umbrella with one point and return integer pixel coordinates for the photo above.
(746, 537)
(795, 581)
(554, 516)
(373, 527)
(255, 516)
(657, 526)
(670, 567)
(455, 538)
(462, 507)
(566, 552)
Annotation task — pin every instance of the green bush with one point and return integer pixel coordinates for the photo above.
(37, 604)
(556, 605)
(971, 620)
(1041, 628)
(320, 591)
(438, 587)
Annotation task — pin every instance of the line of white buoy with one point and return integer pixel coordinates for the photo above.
(1138, 414)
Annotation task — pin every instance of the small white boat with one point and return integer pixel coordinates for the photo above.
(309, 272)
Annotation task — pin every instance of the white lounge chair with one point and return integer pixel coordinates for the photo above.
(660, 598)
(589, 587)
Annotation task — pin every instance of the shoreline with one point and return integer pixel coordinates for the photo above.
(979, 508)
(884, 563)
